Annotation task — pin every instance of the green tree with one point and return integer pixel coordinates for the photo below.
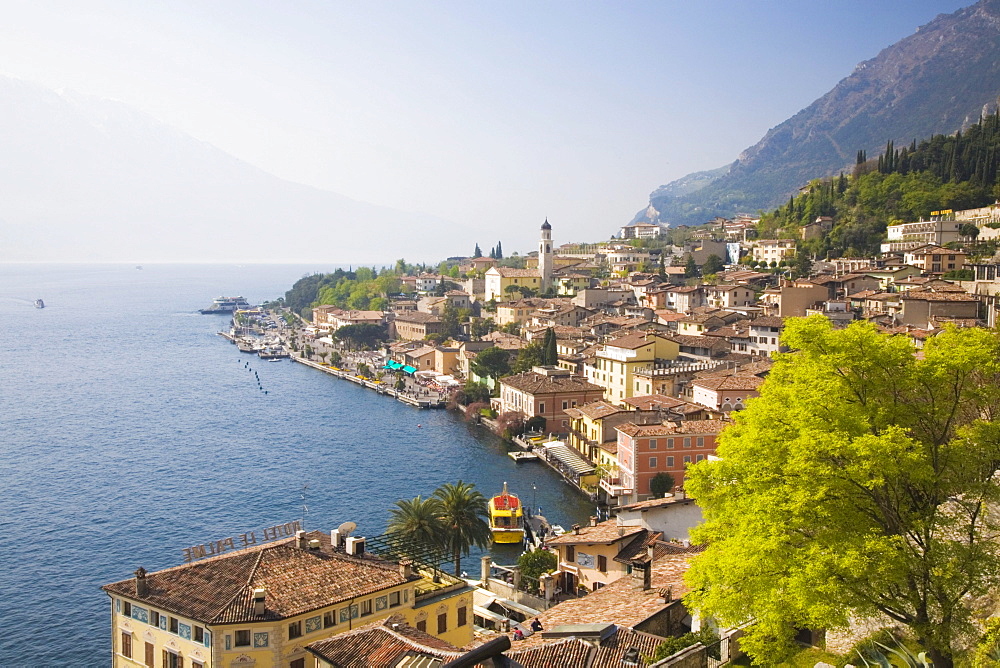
(969, 230)
(534, 564)
(713, 265)
(418, 521)
(551, 355)
(463, 513)
(491, 363)
(690, 268)
(661, 483)
(860, 482)
(362, 335)
(529, 356)
(477, 252)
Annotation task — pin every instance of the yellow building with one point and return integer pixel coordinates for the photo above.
(500, 279)
(260, 606)
(616, 362)
(587, 554)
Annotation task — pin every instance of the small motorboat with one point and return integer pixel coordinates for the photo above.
(506, 517)
(39, 303)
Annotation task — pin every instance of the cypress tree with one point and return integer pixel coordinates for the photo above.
(499, 251)
(477, 252)
(550, 356)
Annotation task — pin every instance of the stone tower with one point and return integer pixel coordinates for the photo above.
(545, 257)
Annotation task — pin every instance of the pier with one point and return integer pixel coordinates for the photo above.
(381, 388)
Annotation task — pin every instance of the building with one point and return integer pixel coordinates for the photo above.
(615, 364)
(501, 281)
(934, 259)
(669, 447)
(415, 325)
(641, 230)
(725, 393)
(545, 265)
(587, 554)
(546, 392)
(938, 231)
(773, 250)
(260, 605)
(334, 318)
(673, 515)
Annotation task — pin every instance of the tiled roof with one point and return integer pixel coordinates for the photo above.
(416, 316)
(630, 341)
(604, 533)
(938, 296)
(598, 410)
(554, 654)
(673, 428)
(508, 272)
(219, 590)
(761, 366)
(535, 383)
(768, 321)
(381, 645)
(662, 502)
(746, 382)
(650, 402)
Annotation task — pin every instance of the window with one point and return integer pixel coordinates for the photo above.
(687, 459)
(462, 616)
(150, 653)
(670, 462)
(699, 458)
(127, 609)
(570, 554)
(329, 619)
(393, 599)
(295, 629)
(197, 664)
(298, 663)
(126, 645)
(422, 625)
(652, 462)
(366, 607)
(442, 622)
(199, 634)
(565, 405)
(541, 407)
(171, 660)
(173, 624)
(602, 563)
(670, 444)
(652, 444)
(687, 441)
(242, 638)
(700, 442)
(154, 618)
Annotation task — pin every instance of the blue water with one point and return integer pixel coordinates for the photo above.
(130, 430)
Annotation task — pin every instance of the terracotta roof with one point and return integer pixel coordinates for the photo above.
(598, 410)
(219, 590)
(662, 502)
(736, 382)
(535, 383)
(630, 341)
(605, 533)
(416, 316)
(507, 272)
(568, 652)
(673, 428)
(761, 366)
(938, 296)
(381, 645)
(768, 321)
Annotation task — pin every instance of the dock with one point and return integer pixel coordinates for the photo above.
(381, 388)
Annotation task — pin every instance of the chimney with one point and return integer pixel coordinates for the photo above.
(679, 492)
(355, 546)
(300, 539)
(593, 520)
(335, 538)
(649, 552)
(314, 544)
(576, 529)
(141, 588)
(405, 568)
(258, 601)
(647, 577)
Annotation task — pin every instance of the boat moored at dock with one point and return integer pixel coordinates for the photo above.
(506, 517)
(225, 305)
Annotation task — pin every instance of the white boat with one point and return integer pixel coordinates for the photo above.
(226, 305)
(39, 303)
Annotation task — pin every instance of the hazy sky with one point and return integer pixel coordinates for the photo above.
(485, 113)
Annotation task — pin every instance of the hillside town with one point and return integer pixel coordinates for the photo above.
(617, 364)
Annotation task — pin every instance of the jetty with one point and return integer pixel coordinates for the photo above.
(381, 388)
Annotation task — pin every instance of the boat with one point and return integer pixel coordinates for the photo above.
(519, 456)
(39, 303)
(506, 517)
(225, 305)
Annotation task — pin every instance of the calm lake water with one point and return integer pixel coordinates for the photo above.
(130, 430)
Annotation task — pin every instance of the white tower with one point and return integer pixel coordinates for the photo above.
(545, 257)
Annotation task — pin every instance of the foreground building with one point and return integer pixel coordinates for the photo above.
(261, 605)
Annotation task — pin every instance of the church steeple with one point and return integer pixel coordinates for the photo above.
(545, 257)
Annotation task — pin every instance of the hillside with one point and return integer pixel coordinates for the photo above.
(937, 80)
(92, 180)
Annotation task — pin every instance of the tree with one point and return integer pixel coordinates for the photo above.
(661, 483)
(713, 265)
(531, 355)
(550, 352)
(534, 564)
(418, 521)
(463, 513)
(491, 363)
(477, 252)
(690, 268)
(362, 335)
(969, 230)
(802, 266)
(861, 482)
(499, 251)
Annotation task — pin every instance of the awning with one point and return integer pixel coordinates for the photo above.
(575, 462)
(409, 369)
(517, 607)
(488, 614)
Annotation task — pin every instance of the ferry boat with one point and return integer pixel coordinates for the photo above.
(506, 517)
(225, 305)
(39, 303)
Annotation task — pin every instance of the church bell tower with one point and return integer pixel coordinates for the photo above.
(545, 257)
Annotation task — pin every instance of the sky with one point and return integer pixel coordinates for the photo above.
(495, 115)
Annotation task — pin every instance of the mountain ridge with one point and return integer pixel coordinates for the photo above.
(893, 96)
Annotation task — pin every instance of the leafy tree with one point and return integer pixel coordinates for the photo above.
(463, 513)
(534, 564)
(335, 358)
(491, 363)
(419, 522)
(661, 483)
(473, 393)
(705, 636)
(362, 335)
(713, 265)
(969, 230)
(860, 482)
(529, 356)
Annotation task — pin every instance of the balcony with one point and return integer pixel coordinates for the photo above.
(614, 487)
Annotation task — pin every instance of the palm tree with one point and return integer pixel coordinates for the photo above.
(464, 513)
(418, 522)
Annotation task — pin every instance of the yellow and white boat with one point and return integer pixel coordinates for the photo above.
(506, 517)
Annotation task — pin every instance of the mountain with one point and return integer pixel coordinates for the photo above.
(936, 81)
(85, 179)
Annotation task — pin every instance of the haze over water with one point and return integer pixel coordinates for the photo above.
(129, 430)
